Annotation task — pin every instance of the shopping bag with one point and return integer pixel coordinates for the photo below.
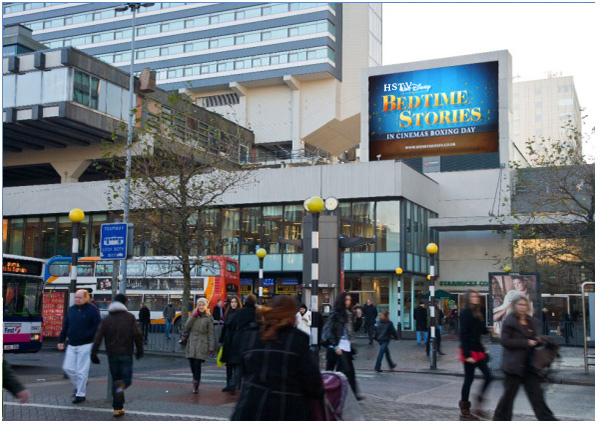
(219, 362)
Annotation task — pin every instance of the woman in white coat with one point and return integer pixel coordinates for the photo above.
(304, 319)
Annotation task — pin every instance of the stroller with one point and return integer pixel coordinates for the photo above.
(339, 402)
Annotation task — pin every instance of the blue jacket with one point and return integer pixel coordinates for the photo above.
(81, 324)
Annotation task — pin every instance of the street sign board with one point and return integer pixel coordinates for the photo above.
(113, 241)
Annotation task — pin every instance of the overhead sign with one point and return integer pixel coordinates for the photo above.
(113, 241)
(434, 112)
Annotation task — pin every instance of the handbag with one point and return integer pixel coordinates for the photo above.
(544, 356)
(219, 357)
(184, 338)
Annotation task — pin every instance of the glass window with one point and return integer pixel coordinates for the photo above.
(22, 296)
(272, 222)
(210, 268)
(85, 269)
(157, 268)
(59, 268)
(94, 92)
(81, 88)
(65, 240)
(251, 218)
(363, 216)
(29, 88)
(8, 90)
(230, 225)
(32, 237)
(208, 228)
(231, 267)
(292, 226)
(16, 236)
(135, 268)
(48, 237)
(54, 85)
(155, 302)
(104, 268)
(388, 226)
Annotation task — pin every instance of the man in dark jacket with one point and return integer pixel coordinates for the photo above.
(12, 384)
(79, 328)
(420, 316)
(243, 319)
(120, 331)
(144, 316)
(370, 315)
(169, 315)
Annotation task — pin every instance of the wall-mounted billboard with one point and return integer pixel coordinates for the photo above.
(434, 112)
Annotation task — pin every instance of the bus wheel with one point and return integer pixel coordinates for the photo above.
(179, 326)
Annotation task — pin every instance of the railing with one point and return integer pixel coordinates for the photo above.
(299, 155)
(157, 340)
(565, 333)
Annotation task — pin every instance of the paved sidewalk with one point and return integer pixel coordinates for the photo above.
(410, 357)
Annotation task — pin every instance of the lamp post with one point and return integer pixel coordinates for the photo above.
(399, 272)
(76, 216)
(432, 249)
(134, 7)
(261, 253)
(314, 205)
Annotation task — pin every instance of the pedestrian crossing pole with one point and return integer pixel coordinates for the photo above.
(261, 253)
(314, 205)
(432, 249)
(76, 216)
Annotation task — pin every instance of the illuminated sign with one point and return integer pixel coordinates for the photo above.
(21, 267)
(434, 112)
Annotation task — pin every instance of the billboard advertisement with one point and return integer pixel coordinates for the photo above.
(434, 112)
(504, 287)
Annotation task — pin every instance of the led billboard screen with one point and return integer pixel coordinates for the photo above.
(434, 112)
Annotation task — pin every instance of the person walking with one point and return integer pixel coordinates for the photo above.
(169, 315)
(438, 335)
(144, 316)
(420, 316)
(519, 337)
(358, 319)
(120, 333)
(243, 319)
(338, 334)
(218, 313)
(12, 384)
(472, 354)
(226, 341)
(370, 314)
(384, 332)
(304, 319)
(281, 380)
(201, 342)
(80, 326)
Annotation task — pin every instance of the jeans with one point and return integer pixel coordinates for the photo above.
(383, 349)
(168, 326)
(77, 366)
(145, 328)
(196, 366)
(234, 379)
(470, 376)
(425, 335)
(534, 393)
(121, 370)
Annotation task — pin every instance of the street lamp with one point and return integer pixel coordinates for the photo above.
(76, 216)
(314, 205)
(432, 249)
(507, 269)
(261, 253)
(134, 7)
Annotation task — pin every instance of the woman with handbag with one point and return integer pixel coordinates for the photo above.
(519, 338)
(200, 343)
(472, 354)
(227, 340)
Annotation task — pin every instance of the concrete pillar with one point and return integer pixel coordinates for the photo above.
(70, 171)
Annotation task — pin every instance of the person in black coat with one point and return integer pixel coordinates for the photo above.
(420, 316)
(370, 314)
(144, 318)
(519, 337)
(226, 340)
(384, 332)
(240, 322)
(280, 378)
(472, 353)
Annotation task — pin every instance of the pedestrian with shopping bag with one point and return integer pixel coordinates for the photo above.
(201, 341)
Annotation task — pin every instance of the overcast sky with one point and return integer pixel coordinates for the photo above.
(540, 38)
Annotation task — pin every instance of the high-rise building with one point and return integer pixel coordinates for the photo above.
(290, 72)
(545, 111)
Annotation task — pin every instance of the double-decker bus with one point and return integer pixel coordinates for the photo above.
(154, 281)
(22, 286)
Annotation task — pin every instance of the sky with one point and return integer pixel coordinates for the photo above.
(542, 38)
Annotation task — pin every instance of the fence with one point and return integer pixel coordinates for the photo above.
(157, 340)
(565, 333)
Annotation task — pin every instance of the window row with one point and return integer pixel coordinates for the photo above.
(218, 42)
(81, 18)
(175, 25)
(245, 63)
(20, 7)
(100, 95)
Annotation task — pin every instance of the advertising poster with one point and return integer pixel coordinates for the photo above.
(434, 112)
(53, 312)
(504, 287)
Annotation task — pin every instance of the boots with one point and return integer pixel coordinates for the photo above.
(478, 408)
(465, 411)
(196, 385)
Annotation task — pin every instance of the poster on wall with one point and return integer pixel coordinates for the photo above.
(434, 112)
(504, 287)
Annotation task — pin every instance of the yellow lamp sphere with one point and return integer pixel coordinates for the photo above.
(432, 248)
(507, 269)
(399, 271)
(261, 253)
(76, 215)
(315, 204)
(428, 277)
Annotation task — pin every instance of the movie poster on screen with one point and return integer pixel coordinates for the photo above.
(434, 112)
(504, 287)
